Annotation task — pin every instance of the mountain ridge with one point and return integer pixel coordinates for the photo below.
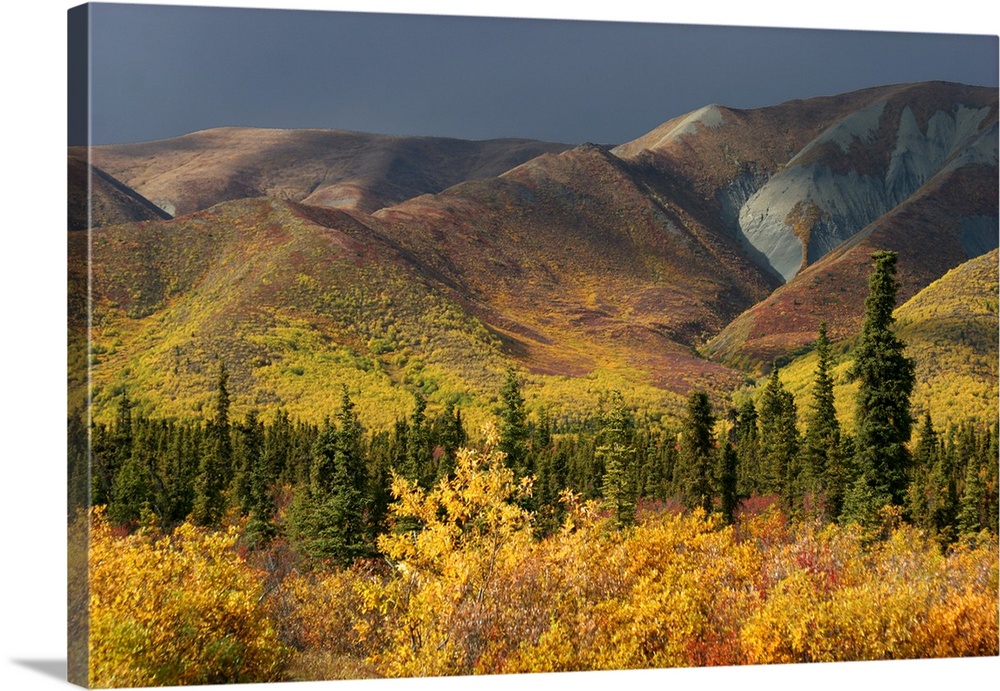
(580, 265)
(323, 167)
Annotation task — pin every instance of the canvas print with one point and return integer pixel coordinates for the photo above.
(412, 346)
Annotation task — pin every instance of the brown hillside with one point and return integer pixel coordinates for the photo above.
(575, 260)
(323, 167)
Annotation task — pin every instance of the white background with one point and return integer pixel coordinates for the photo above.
(32, 332)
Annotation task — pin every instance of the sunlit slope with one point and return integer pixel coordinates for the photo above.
(951, 330)
(293, 307)
(298, 301)
(587, 269)
(580, 266)
(914, 171)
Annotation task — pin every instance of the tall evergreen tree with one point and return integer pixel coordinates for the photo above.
(418, 465)
(448, 435)
(943, 490)
(253, 480)
(514, 430)
(971, 513)
(693, 476)
(617, 450)
(728, 495)
(750, 478)
(184, 456)
(823, 475)
(133, 490)
(111, 449)
(381, 456)
(278, 447)
(216, 468)
(779, 442)
(885, 379)
(329, 518)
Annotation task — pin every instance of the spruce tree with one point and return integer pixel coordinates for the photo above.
(617, 450)
(824, 476)
(111, 449)
(885, 379)
(329, 518)
(216, 468)
(253, 481)
(693, 476)
(380, 457)
(728, 495)
(448, 435)
(514, 431)
(132, 493)
(278, 447)
(184, 457)
(943, 491)
(749, 480)
(418, 465)
(970, 513)
(779, 442)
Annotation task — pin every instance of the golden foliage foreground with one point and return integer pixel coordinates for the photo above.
(471, 590)
(176, 609)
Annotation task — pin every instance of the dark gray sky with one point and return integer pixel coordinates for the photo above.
(161, 71)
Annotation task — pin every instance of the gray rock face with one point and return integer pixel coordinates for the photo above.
(806, 209)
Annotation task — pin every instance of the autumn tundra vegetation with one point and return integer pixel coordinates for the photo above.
(268, 549)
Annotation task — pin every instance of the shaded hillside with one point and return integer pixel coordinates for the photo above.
(111, 201)
(321, 167)
(950, 329)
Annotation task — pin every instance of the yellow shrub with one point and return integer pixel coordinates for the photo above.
(183, 608)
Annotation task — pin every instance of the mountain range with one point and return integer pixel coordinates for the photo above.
(694, 256)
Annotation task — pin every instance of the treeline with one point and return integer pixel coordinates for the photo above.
(326, 487)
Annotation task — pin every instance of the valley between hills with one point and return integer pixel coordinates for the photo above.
(694, 257)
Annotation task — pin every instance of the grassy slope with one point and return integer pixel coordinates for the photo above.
(293, 308)
(296, 301)
(951, 330)
(582, 267)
